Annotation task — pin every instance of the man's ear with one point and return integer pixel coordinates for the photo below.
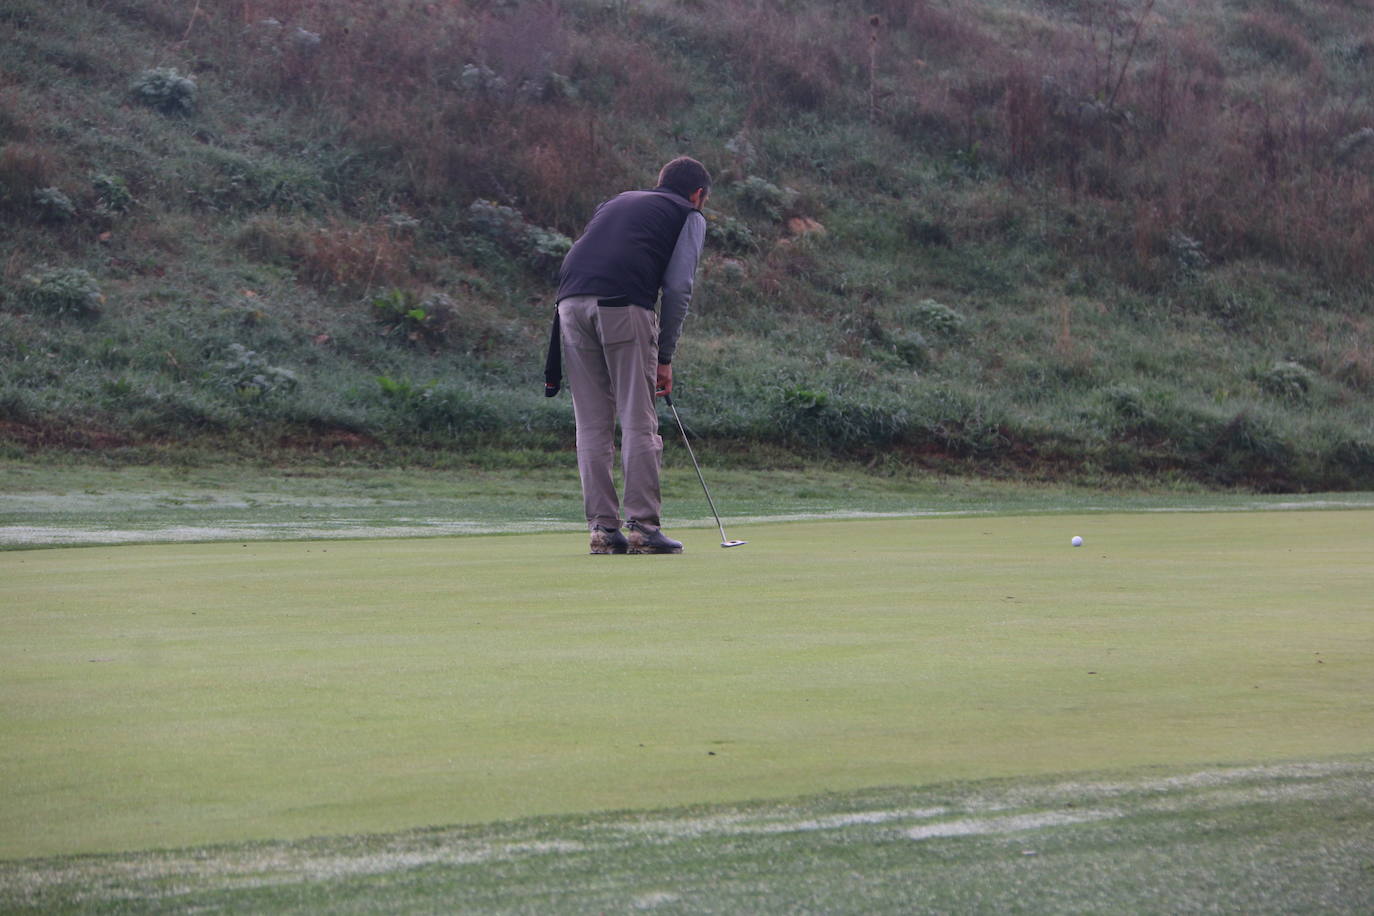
(698, 198)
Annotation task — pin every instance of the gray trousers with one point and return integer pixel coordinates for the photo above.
(610, 355)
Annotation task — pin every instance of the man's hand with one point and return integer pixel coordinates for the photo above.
(665, 380)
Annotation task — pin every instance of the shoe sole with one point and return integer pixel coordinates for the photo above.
(644, 550)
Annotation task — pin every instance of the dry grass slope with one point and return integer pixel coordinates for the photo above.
(1152, 218)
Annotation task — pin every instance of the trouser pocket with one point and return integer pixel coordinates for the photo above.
(621, 324)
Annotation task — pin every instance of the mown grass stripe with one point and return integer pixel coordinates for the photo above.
(182, 694)
(1225, 838)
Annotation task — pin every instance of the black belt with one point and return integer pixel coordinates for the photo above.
(615, 302)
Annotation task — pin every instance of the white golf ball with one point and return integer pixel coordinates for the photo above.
(1077, 541)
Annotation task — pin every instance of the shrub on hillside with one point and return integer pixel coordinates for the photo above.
(413, 319)
(454, 413)
(1188, 257)
(1286, 380)
(1355, 456)
(729, 234)
(763, 197)
(1148, 417)
(63, 292)
(166, 90)
(938, 320)
(54, 206)
(252, 378)
(228, 180)
(1250, 447)
(546, 247)
(911, 347)
(914, 337)
(482, 80)
(541, 248)
(897, 342)
(813, 417)
(1124, 405)
(112, 194)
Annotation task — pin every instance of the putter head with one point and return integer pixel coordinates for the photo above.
(733, 543)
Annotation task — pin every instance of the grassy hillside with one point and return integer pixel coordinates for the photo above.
(1055, 238)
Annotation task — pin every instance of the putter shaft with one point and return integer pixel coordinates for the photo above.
(724, 541)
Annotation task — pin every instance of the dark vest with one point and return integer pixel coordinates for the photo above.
(625, 248)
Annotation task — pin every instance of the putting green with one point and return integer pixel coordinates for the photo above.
(188, 694)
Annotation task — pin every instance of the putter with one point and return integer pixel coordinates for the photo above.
(724, 541)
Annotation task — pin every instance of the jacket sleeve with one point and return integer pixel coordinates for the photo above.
(677, 284)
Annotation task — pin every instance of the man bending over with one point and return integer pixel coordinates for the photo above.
(618, 352)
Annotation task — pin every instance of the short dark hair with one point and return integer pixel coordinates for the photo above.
(684, 175)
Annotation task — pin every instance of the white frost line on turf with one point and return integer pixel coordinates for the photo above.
(193, 500)
(379, 863)
(353, 529)
(756, 824)
(410, 527)
(1262, 506)
(1206, 788)
(44, 536)
(1203, 779)
(654, 900)
(951, 824)
(995, 809)
(356, 529)
(269, 866)
(1015, 823)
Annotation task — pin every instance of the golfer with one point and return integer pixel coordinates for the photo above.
(618, 353)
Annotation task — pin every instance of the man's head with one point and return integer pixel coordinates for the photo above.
(685, 176)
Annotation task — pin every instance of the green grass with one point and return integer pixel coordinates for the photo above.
(73, 502)
(188, 694)
(1275, 839)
